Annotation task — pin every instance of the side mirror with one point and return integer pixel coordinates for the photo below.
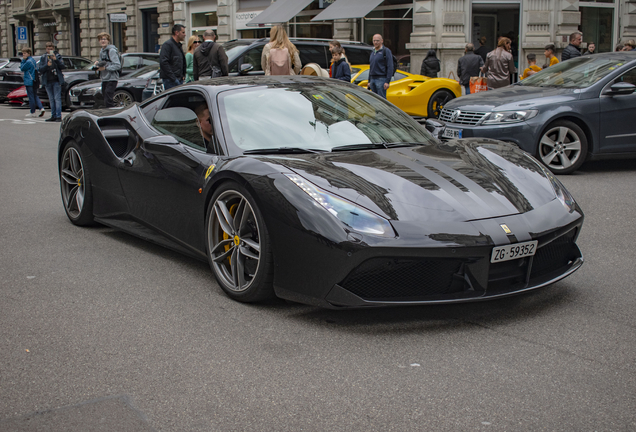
(621, 88)
(245, 68)
(435, 127)
(364, 83)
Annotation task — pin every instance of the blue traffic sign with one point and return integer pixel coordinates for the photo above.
(22, 34)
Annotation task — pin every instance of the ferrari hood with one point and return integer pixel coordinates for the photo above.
(456, 181)
(513, 98)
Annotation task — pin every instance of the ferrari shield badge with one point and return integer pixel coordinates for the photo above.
(505, 228)
(207, 174)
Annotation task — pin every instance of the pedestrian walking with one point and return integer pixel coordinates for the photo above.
(468, 66)
(572, 50)
(380, 67)
(342, 69)
(499, 65)
(532, 66)
(280, 56)
(108, 66)
(550, 58)
(482, 51)
(591, 48)
(430, 65)
(51, 65)
(193, 42)
(172, 64)
(210, 59)
(27, 65)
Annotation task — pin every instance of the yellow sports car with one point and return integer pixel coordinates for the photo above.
(416, 95)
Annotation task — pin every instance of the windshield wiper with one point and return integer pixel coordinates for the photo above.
(283, 150)
(369, 146)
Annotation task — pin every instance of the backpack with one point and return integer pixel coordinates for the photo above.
(121, 61)
(279, 61)
(395, 62)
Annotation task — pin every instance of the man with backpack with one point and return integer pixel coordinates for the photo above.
(381, 67)
(210, 60)
(108, 66)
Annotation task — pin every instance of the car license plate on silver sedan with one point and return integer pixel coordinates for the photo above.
(452, 133)
(513, 251)
(74, 99)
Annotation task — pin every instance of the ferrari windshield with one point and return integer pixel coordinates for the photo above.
(580, 72)
(313, 116)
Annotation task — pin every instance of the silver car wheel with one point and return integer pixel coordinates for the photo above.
(234, 239)
(122, 99)
(560, 148)
(72, 181)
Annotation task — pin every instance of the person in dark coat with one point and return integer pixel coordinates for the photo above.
(342, 70)
(468, 66)
(482, 51)
(572, 50)
(430, 65)
(172, 64)
(209, 56)
(51, 65)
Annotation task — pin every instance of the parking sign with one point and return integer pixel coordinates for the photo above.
(22, 34)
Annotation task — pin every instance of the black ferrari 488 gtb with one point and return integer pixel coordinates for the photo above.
(320, 192)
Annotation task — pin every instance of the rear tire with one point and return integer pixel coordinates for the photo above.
(437, 101)
(238, 245)
(122, 98)
(77, 194)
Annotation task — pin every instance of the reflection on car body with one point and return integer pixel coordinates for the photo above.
(336, 199)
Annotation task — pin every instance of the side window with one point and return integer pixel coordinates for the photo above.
(150, 60)
(68, 64)
(129, 63)
(81, 63)
(252, 57)
(149, 110)
(357, 55)
(313, 54)
(186, 117)
(398, 76)
(363, 76)
(629, 77)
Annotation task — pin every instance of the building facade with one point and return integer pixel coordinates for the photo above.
(410, 29)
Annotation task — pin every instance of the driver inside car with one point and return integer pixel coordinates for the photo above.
(204, 122)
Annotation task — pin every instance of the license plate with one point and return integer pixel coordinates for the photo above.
(74, 99)
(452, 133)
(1, 77)
(513, 251)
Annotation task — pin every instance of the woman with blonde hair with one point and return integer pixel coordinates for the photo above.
(280, 56)
(193, 43)
(499, 65)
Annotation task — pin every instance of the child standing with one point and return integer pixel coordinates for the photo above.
(341, 69)
(532, 66)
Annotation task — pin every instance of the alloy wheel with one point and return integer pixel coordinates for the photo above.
(72, 180)
(560, 148)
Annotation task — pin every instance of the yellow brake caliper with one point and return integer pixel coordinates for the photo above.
(226, 236)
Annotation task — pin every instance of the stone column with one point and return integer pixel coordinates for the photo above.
(164, 9)
(132, 30)
(225, 12)
(40, 34)
(424, 36)
(4, 26)
(64, 37)
(628, 20)
(93, 21)
(568, 21)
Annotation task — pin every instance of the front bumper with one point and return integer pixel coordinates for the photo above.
(523, 134)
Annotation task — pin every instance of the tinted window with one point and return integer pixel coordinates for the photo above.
(151, 108)
(629, 77)
(150, 60)
(363, 76)
(81, 63)
(357, 55)
(398, 76)
(313, 54)
(129, 63)
(67, 63)
(252, 57)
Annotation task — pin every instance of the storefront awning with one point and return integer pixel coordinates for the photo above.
(280, 11)
(344, 9)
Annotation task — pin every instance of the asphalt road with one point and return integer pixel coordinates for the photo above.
(102, 331)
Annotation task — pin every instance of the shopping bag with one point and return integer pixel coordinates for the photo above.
(478, 84)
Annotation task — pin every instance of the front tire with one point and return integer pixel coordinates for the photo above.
(238, 245)
(437, 101)
(77, 194)
(562, 147)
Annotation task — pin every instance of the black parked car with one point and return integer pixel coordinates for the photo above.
(129, 89)
(76, 75)
(248, 51)
(340, 199)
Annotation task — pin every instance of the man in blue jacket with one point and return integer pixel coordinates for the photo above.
(380, 67)
(51, 66)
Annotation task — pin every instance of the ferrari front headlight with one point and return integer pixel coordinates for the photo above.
(355, 217)
(499, 117)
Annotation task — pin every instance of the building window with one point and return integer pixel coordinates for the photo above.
(597, 25)
(205, 19)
